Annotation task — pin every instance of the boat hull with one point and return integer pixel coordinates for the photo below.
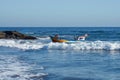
(60, 40)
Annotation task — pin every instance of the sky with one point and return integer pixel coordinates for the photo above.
(59, 13)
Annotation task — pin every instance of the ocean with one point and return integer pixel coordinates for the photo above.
(96, 58)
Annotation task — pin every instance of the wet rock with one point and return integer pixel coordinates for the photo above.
(14, 35)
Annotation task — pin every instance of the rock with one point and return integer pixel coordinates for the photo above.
(14, 35)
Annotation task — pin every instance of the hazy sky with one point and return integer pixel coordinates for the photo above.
(55, 13)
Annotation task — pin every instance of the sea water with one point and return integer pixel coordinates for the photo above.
(96, 58)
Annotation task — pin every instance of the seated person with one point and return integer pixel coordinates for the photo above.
(55, 38)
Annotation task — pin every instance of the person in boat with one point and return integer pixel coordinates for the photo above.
(82, 37)
(55, 38)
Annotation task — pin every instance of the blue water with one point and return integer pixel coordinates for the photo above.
(96, 58)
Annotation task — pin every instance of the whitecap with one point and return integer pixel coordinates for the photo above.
(48, 45)
(13, 69)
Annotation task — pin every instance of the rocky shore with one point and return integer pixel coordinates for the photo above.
(15, 35)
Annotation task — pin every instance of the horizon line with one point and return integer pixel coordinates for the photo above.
(59, 26)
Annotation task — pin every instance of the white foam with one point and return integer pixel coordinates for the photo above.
(21, 44)
(13, 69)
(47, 44)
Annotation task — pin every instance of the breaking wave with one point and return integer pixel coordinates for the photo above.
(13, 69)
(45, 43)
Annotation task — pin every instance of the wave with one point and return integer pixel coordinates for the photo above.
(48, 45)
(13, 69)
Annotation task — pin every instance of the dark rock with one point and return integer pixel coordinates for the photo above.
(14, 35)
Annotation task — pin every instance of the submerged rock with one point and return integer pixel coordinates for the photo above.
(14, 35)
